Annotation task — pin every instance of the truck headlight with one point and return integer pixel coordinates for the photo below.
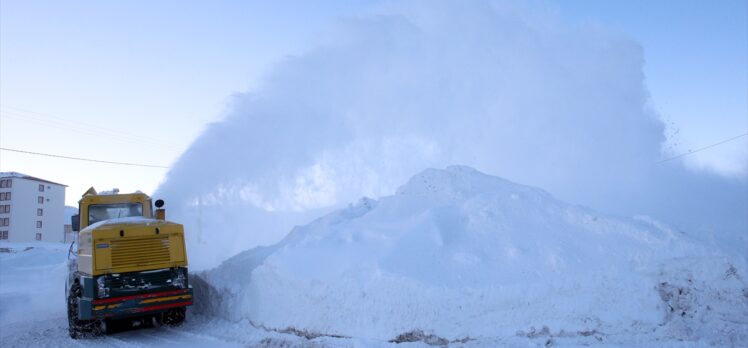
(103, 290)
(180, 278)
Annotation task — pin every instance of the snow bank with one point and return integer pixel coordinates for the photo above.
(460, 254)
(32, 281)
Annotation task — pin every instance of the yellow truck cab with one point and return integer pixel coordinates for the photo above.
(130, 263)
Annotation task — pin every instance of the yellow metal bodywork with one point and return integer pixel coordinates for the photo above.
(139, 244)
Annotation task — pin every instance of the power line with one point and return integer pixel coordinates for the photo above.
(83, 159)
(123, 138)
(80, 126)
(703, 148)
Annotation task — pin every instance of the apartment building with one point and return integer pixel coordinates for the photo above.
(31, 209)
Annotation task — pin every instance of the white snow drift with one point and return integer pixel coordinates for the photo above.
(460, 254)
(32, 281)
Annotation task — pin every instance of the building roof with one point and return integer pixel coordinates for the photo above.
(27, 177)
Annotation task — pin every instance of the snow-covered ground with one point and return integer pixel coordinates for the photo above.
(455, 257)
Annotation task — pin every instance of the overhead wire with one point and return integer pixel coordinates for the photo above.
(78, 126)
(83, 159)
(34, 117)
(62, 123)
(67, 128)
(62, 120)
(690, 152)
(109, 135)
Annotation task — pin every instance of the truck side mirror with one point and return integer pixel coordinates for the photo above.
(76, 222)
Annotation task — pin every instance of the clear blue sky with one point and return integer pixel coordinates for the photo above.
(136, 81)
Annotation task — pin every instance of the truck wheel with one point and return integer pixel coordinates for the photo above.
(174, 317)
(74, 324)
(78, 328)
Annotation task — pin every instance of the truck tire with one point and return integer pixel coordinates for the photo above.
(78, 328)
(74, 324)
(173, 317)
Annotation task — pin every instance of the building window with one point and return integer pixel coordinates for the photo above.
(38, 236)
(39, 212)
(3, 235)
(38, 224)
(41, 188)
(4, 209)
(5, 222)
(6, 183)
(40, 200)
(4, 196)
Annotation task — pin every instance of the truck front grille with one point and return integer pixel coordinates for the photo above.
(131, 252)
(140, 282)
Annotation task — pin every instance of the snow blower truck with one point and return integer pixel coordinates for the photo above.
(127, 263)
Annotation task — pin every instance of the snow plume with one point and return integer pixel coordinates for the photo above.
(427, 84)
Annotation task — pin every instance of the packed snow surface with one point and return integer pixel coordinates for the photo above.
(460, 255)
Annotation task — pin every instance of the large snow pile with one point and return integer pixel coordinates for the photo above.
(458, 254)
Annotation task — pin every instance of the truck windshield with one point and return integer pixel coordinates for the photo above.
(101, 212)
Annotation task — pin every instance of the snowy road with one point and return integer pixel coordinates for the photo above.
(53, 333)
(206, 332)
(197, 332)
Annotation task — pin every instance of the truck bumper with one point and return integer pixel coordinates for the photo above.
(133, 305)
